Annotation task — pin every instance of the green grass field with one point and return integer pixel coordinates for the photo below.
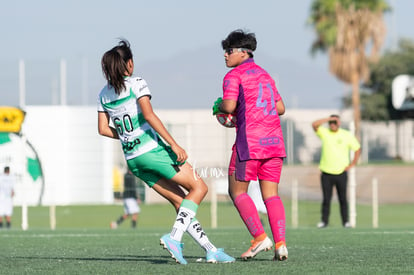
(83, 243)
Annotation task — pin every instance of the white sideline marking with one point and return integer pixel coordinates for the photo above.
(81, 235)
(385, 232)
(72, 235)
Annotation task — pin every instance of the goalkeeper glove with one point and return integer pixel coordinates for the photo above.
(217, 105)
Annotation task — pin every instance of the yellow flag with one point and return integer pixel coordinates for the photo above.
(11, 119)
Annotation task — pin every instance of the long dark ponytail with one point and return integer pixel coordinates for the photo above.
(114, 65)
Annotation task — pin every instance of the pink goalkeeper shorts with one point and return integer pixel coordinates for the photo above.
(262, 169)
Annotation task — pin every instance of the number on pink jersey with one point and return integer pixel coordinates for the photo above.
(261, 102)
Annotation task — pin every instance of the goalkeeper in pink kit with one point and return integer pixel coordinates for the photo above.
(250, 93)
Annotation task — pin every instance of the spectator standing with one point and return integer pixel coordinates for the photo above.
(131, 202)
(6, 197)
(334, 165)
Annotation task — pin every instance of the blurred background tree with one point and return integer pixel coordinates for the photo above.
(352, 32)
(376, 103)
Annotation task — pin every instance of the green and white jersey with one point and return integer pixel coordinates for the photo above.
(136, 135)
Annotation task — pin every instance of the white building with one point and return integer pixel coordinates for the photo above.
(78, 163)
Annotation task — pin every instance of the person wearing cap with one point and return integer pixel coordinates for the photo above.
(337, 143)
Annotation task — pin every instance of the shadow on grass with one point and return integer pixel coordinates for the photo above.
(121, 258)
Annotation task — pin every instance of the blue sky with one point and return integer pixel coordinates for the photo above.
(176, 48)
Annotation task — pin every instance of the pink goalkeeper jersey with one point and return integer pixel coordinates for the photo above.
(259, 134)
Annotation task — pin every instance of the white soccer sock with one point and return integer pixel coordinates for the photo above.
(197, 233)
(186, 213)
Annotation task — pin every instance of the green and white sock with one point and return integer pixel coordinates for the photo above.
(197, 233)
(186, 213)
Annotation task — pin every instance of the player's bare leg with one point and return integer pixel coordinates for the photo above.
(170, 190)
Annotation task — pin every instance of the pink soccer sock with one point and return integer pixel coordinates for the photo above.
(248, 213)
(277, 219)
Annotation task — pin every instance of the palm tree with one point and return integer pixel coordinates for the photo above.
(348, 30)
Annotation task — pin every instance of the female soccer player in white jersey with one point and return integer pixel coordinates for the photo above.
(125, 100)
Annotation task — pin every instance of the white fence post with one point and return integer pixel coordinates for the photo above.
(374, 203)
(22, 84)
(52, 217)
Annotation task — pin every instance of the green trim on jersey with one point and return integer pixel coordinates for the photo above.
(118, 102)
(135, 134)
(147, 136)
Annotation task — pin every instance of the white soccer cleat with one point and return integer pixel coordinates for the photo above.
(281, 253)
(321, 225)
(257, 246)
(114, 225)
